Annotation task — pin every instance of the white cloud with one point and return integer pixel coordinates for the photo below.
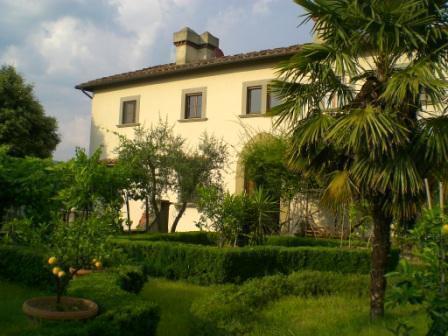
(262, 7)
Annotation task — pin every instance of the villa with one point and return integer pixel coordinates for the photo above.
(203, 91)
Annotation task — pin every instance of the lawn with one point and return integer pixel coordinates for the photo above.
(12, 296)
(174, 299)
(290, 316)
(331, 315)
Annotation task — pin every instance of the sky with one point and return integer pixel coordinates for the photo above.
(56, 44)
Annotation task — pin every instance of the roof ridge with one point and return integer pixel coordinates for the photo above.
(171, 68)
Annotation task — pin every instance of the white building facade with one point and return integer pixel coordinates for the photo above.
(204, 91)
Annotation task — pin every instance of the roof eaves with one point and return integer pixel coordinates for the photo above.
(173, 69)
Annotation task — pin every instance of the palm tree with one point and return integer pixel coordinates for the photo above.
(354, 105)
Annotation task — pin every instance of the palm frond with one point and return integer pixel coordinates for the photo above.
(368, 130)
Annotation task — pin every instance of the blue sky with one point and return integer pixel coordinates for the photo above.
(56, 44)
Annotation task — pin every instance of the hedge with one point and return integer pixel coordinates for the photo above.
(231, 309)
(212, 265)
(192, 237)
(24, 265)
(209, 238)
(295, 241)
(121, 312)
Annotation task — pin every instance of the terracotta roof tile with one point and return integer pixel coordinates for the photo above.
(172, 68)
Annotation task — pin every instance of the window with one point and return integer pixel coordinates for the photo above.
(257, 99)
(194, 103)
(129, 110)
(193, 106)
(254, 100)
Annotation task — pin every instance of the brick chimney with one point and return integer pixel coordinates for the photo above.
(192, 47)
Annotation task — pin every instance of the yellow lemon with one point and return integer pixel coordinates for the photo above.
(98, 264)
(61, 274)
(52, 260)
(445, 230)
(56, 270)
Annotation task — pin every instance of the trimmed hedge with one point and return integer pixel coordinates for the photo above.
(24, 265)
(232, 309)
(121, 312)
(212, 265)
(209, 238)
(295, 241)
(192, 237)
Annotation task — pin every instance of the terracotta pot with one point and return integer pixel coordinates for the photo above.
(81, 272)
(36, 308)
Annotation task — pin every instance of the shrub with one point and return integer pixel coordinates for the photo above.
(24, 265)
(131, 278)
(193, 237)
(211, 265)
(294, 241)
(121, 312)
(231, 309)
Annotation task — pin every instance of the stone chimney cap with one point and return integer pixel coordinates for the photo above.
(210, 40)
(187, 35)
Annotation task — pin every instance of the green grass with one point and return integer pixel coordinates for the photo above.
(12, 296)
(329, 316)
(174, 299)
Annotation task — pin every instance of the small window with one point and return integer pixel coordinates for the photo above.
(193, 105)
(129, 112)
(254, 100)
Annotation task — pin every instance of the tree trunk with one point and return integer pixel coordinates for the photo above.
(146, 214)
(380, 254)
(178, 217)
(128, 215)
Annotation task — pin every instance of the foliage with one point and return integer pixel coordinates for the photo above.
(232, 310)
(29, 187)
(236, 218)
(25, 129)
(24, 265)
(197, 168)
(131, 278)
(291, 241)
(371, 143)
(148, 158)
(426, 283)
(81, 244)
(92, 185)
(212, 265)
(121, 313)
(192, 237)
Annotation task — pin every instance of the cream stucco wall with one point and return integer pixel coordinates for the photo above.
(162, 99)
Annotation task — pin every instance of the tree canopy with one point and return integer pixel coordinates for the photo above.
(24, 127)
(365, 109)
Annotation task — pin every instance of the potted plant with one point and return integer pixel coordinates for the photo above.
(76, 246)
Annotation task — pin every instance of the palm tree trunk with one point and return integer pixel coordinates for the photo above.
(380, 254)
(178, 217)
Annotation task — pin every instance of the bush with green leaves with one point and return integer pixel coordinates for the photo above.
(122, 313)
(190, 237)
(81, 244)
(426, 283)
(232, 309)
(213, 265)
(237, 219)
(29, 190)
